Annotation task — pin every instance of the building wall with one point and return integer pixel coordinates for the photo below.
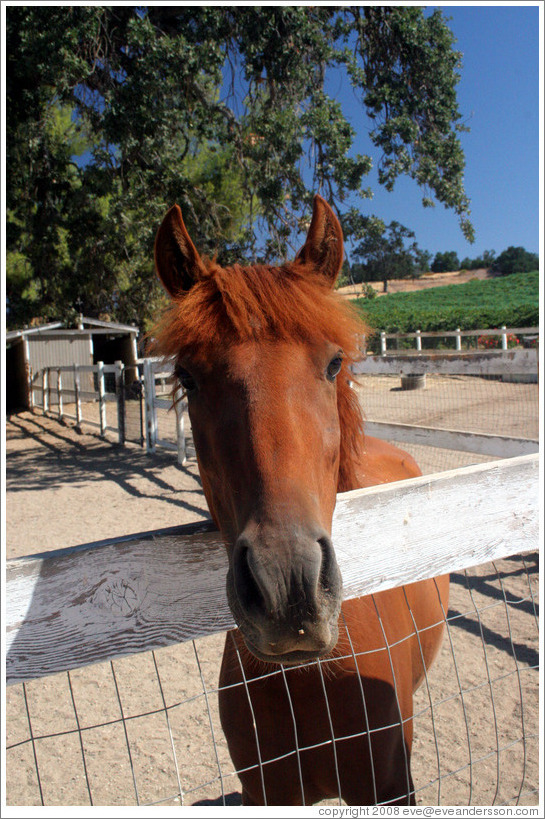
(58, 350)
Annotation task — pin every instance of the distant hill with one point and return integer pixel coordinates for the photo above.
(475, 304)
(424, 282)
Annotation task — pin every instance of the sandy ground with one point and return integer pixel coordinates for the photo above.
(426, 281)
(145, 729)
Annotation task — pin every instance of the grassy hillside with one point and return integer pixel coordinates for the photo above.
(510, 300)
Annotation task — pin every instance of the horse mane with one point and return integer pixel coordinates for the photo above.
(232, 305)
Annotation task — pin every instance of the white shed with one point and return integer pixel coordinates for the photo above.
(53, 345)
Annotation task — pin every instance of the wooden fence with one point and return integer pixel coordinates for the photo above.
(159, 371)
(509, 364)
(52, 391)
(172, 580)
(155, 376)
(72, 607)
(531, 333)
(53, 388)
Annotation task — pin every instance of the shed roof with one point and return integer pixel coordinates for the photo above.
(57, 327)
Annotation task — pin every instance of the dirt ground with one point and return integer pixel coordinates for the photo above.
(145, 729)
(352, 291)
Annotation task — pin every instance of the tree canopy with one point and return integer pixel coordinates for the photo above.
(515, 260)
(387, 252)
(226, 110)
(445, 262)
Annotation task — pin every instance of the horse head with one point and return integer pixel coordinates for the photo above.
(262, 353)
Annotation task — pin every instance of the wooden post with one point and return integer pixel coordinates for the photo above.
(418, 341)
(101, 401)
(151, 414)
(45, 389)
(59, 392)
(120, 395)
(383, 343)
(458, 339)
(180, 434)
(28, 371)
(30, 388)
(77, 396)
(503, 337)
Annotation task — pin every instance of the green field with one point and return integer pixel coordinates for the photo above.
(511, 300)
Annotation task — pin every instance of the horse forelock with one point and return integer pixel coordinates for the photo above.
(260, 303)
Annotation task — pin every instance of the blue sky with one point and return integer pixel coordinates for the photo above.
(498, 97)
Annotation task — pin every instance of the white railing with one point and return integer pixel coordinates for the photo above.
(65, 610)
(504, 332)
(154, 370)
(50, 391)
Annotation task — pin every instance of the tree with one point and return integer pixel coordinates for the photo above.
(516, 260)
(445, 262)
(223, 109)
(486, 261)
(423, 260)
(385, 253)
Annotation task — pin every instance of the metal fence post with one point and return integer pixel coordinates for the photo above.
(418, 341)
(383, 343)
(120, 395)
(458, 339)
(101, 401)
(503, 337)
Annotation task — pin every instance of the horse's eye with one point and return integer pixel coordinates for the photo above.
(186, 379)
(334, 368)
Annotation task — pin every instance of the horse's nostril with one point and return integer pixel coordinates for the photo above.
(329, 579)
(246, 586)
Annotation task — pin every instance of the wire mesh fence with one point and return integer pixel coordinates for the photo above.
(504, 405)
(145, 730)
(455, 402)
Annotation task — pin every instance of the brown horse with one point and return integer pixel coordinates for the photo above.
(315, 695)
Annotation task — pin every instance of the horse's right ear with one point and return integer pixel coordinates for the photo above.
(177, 261)
(323, 247)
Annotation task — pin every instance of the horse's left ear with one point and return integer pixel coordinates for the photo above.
(177, 260)
(324, 243)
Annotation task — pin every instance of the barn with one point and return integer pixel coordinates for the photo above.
(54, 345)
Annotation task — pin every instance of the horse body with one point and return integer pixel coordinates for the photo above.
(263, 355)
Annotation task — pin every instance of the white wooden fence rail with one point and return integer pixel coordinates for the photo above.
(160, 369)
(458, 334)
(49, 383)
(498, 446)
(78, 606)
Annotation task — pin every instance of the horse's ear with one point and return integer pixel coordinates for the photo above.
(324, 243)
(177, 261)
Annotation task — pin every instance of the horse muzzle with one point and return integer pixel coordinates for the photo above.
(285, 593)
